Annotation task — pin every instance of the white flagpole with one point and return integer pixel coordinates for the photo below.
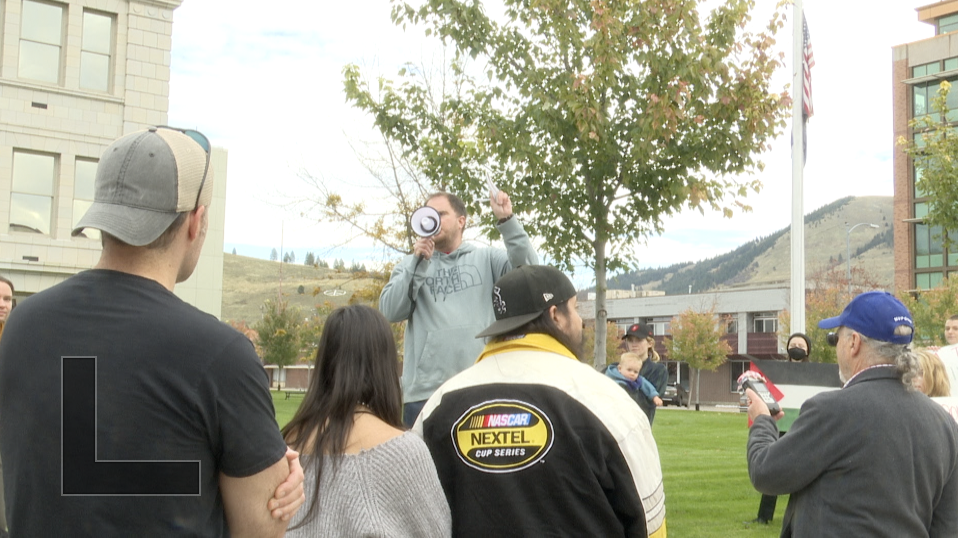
(797, 301)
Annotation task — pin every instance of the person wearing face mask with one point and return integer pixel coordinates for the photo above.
(797, 347)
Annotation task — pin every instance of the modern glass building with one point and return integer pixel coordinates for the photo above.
(918, 68)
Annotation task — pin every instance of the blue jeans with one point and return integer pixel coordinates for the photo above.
(410, 411)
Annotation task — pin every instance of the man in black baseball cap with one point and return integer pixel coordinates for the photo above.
(528, 432)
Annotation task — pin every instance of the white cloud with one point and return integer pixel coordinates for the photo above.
(266, 83)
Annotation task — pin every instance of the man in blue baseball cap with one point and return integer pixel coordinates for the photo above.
(876, 458)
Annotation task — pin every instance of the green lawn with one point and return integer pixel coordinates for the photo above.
(285, 408)
(707, 491)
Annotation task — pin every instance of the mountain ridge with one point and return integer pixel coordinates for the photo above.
(765, 260)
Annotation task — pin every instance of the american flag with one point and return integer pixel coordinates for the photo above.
(808, 62)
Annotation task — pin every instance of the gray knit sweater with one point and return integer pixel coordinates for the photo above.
(390, 490)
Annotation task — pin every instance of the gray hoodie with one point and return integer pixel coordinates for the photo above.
(453, 304)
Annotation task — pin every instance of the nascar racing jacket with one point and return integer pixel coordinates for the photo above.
(531, 442)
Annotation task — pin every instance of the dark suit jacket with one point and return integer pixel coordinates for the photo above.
(873, 459)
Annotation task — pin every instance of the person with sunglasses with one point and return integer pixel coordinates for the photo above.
(876, 458)
(126, 411)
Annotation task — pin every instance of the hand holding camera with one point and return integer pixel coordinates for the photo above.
(760, 399)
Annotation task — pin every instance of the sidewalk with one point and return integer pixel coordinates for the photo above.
(721, 408)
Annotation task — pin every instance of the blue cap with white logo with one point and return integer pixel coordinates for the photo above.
(878, 315)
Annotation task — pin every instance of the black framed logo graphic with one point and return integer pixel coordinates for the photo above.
(502, 436)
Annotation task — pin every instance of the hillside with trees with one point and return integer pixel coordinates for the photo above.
(766, 259)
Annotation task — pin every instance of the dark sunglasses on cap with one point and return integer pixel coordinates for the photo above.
(204, 143)
(832, 339)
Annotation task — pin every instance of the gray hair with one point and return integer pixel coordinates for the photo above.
(901, 355)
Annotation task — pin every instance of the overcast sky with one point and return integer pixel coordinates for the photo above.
(264, 81)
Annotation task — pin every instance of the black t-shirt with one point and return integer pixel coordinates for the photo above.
(172, 384)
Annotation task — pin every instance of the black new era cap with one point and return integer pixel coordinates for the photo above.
(524, 293)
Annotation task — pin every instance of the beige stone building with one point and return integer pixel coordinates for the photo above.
(921, 261)
(74, 76)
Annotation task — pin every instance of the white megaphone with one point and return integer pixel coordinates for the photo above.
(426, 222)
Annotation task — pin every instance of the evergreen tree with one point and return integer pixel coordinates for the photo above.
(273, 256)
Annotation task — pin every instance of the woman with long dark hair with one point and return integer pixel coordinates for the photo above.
(365, 475)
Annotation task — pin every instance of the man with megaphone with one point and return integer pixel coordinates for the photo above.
(443, 289)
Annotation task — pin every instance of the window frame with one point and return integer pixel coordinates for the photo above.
(764, 317)
(79, 211)
(110, 55)
(64, 15)
(950, 26)
(15, 194)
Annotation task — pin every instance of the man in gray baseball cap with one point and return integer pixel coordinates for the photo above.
(528, 432)
(125, 410)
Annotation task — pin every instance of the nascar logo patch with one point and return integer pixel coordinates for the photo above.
(502, 436)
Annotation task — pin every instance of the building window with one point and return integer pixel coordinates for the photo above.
(922, 95)
(736, 369)
(926, 281)
(918, 192)
(765, 322)
(948, 23)
(926, 69)
(919, 99)
(31, 201)
(732, 326)
(41, 41)
(84, 177)
(929, 250)
(660, 326)
(96, 51)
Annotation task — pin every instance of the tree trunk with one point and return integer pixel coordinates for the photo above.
(600, 312)
(698, 388)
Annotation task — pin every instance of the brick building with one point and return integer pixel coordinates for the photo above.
(921, 261)
(751, 323)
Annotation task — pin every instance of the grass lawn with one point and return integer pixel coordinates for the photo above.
(285, 408)
(707, 491)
